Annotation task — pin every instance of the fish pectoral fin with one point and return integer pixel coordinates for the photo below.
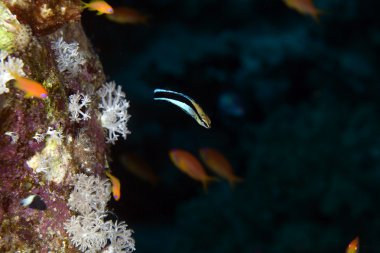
(206, 181)
(28, 95)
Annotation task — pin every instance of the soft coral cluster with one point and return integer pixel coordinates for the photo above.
(88, 188)
(9, 65)
(89, 231)
(45, 158)
(114, 108)
(69, 58)
(14, 36)
(77, 105)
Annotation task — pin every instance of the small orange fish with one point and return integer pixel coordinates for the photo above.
(353, 247)
(32, 88)
(125, 15)
(305, 7)
(100, 6)
(219, 164)
(139, 167)
(190, 165)
(115, 185)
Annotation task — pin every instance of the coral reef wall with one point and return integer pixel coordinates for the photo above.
(49, 144)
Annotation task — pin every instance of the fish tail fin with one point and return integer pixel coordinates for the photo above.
(234, 180)
(84, 5)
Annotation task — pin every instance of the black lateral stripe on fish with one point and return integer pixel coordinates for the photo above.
(186, 103)
(33, 201)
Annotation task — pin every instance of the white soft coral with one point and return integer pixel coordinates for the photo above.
(114, 111)
(121, 237)
(90, 194)
(68, 56)
(55, 134)
(89, 231)
(77, 107)
(9, 65)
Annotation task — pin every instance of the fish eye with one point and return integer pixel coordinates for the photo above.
(44, 95)
(110, 10)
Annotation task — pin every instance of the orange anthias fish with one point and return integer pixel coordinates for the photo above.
(353, 247)
(305, 7)
(32, 88)
(219, 164)
(138, 167)
(115, 185)
(100, 6)
(190, 165)
(125, 15)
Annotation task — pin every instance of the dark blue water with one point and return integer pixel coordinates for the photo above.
(307, 144)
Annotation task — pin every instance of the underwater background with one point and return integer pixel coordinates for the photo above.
(294, 105)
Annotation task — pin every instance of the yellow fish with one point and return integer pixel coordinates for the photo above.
(125, 15)
(100, 6)
(115, 185)
(353, 247)
(190, 165)
(32, 88)
(219, 164)
(305, 7)
(139, 167)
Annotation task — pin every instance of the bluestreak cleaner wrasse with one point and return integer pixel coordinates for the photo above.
(33, 201)
(186, 103)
